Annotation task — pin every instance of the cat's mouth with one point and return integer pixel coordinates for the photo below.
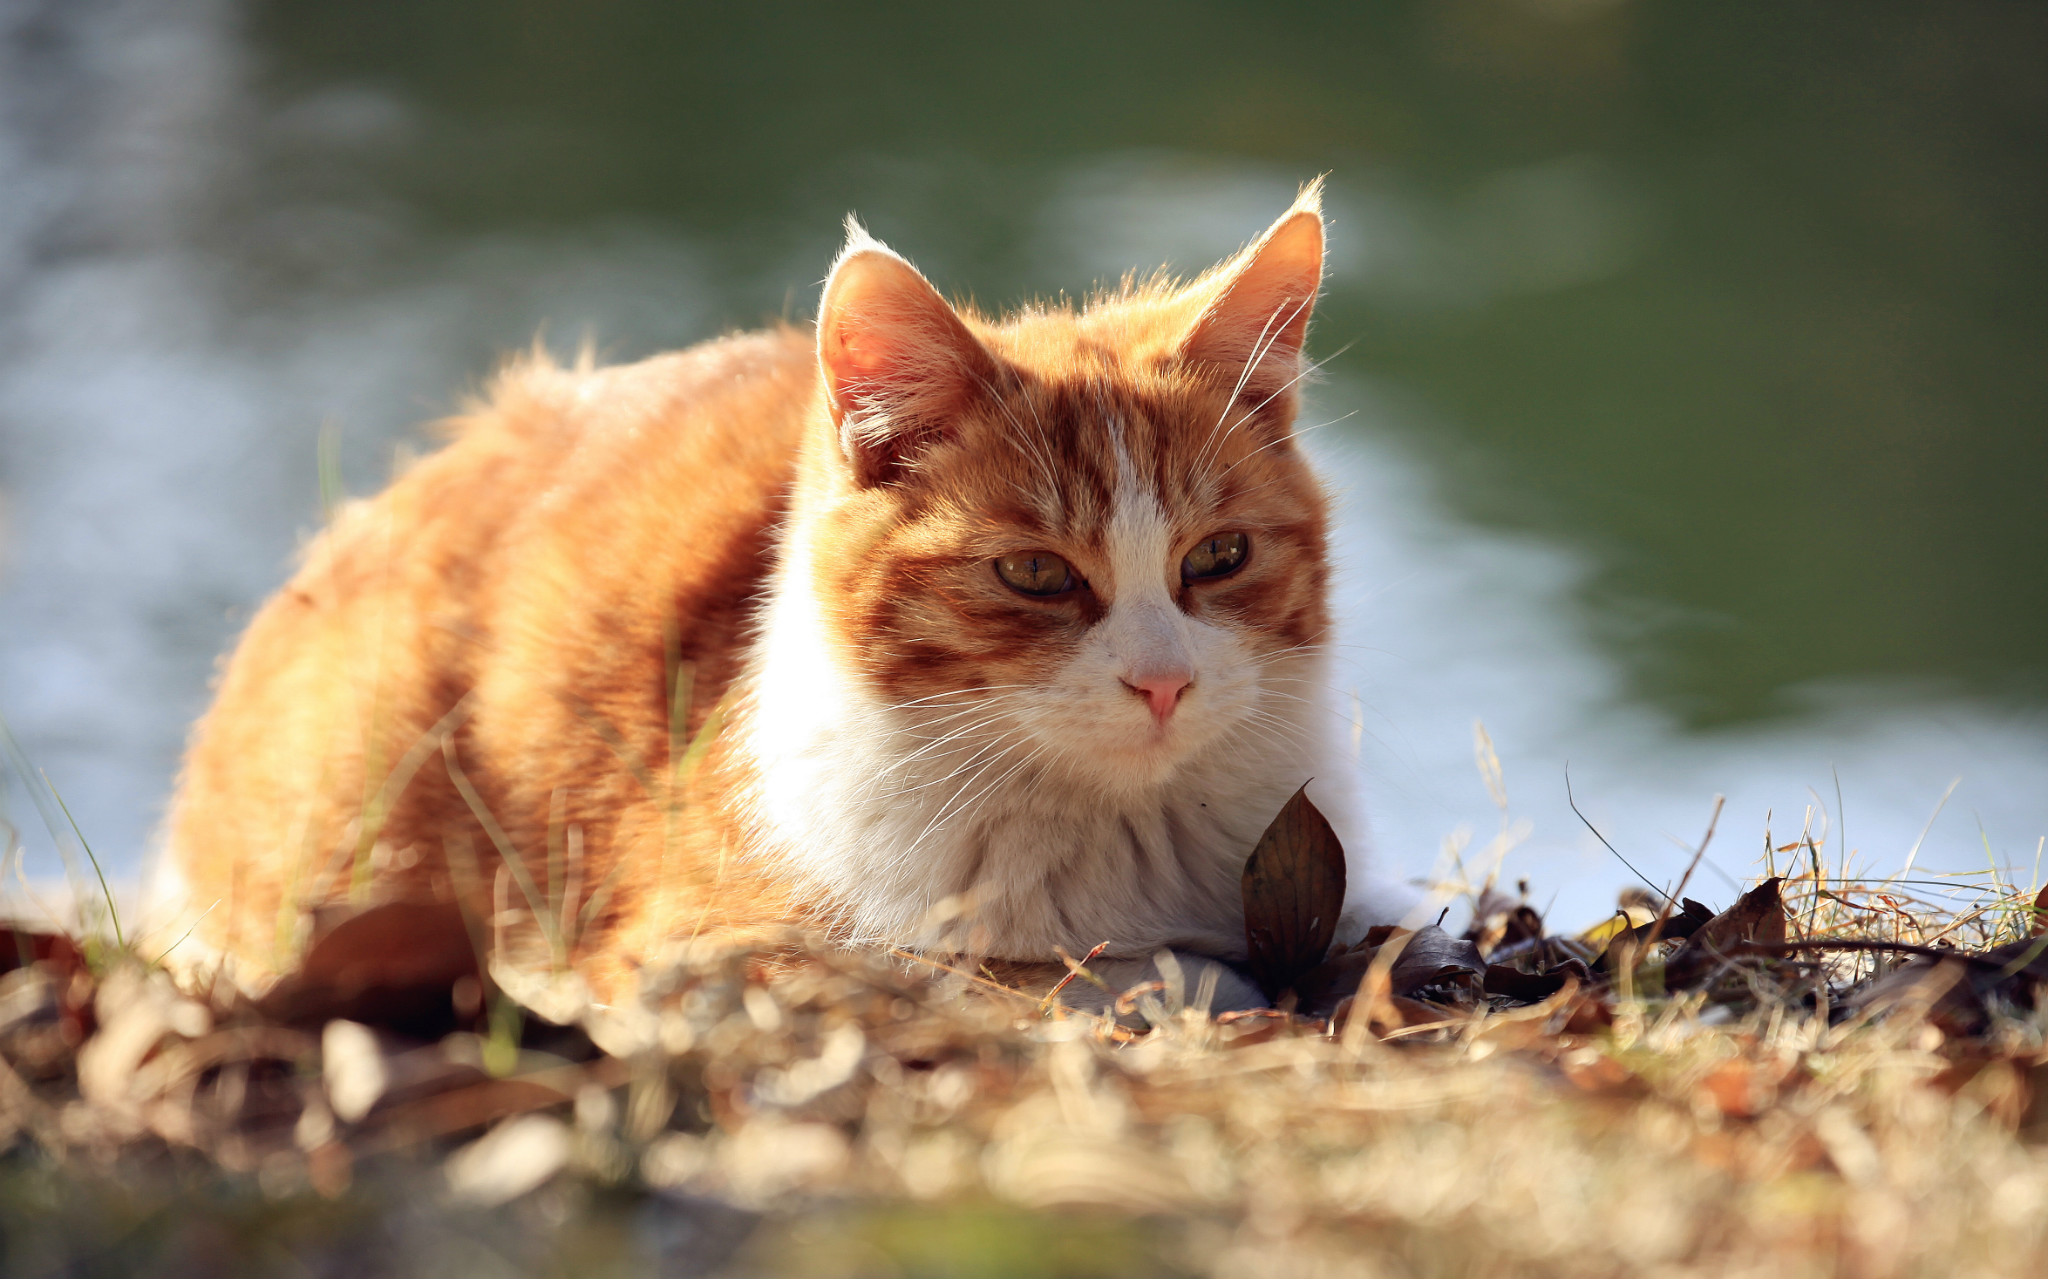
(1160, 741)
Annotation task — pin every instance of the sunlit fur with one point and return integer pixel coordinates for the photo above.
(780, 548)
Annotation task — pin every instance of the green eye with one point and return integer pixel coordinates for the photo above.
(1217, 555)
(1036, 573)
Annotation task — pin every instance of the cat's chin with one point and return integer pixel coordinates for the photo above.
(1140, 760)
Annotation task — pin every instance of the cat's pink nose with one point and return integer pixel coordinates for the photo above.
(1161, 691)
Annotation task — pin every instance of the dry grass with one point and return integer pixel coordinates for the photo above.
(1673, 1109)
(884, 1117)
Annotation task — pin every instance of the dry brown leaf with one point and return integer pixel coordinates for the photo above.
(1757, 916)
(1293, 891)
(1626, 947)
(2028, 957)
(389, 965)
(1428, 957)
(1529, 988)
(1433, 957)
(20, 947)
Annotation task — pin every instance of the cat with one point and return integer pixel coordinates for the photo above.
(997, 636)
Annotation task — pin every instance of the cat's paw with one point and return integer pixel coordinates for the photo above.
(1170, 981)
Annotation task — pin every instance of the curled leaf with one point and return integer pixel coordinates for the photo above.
(1429, 957)
(1757, 916)
(1433, 957)
(1530, 988)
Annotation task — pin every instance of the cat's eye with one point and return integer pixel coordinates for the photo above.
(1036, 573)
(1216, 555)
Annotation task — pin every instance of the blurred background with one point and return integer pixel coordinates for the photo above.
(1687, 393)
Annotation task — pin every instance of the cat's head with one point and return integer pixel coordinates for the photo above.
(1082, 536)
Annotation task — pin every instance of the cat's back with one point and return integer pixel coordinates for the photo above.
(617, 463)
(736, 401)
(583, 529)
(643, 547)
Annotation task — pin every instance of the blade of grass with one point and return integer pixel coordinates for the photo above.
(508, 856)
(18, 759)
(112, 913)
(158, 962)
(1938, 806)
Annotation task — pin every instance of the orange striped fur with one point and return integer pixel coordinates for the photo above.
(717, 642)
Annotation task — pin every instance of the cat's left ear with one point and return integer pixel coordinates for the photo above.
(898, 363)
(1256, 307)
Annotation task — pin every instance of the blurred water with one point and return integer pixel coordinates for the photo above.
(204, 259)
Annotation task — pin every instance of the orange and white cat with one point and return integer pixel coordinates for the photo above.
(930, 629)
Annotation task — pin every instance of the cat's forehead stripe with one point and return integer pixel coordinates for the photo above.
(1140, 534)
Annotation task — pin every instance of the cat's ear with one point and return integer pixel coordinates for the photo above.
(898, 363)
(1255, 310)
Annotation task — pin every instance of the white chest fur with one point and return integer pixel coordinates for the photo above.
(954, 824)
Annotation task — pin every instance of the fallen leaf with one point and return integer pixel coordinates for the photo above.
(1433, 957)
(1600, 934)
(1736, 1089)
(1321, 989)
(1392, 1013)
(441, 1114)
(1757, 916)
(20, 947)
(1293, 891)
(1530, 988)
(1628, 944)
(392, 965)
(1938, 990)
(1428, 957)
(1589, 1015)
(1501, 921)
(2029, 957)
(1541, 954)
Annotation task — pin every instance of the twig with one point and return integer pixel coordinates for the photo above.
(1569, 799)
(1402, 1032)
(1859, 944)
(1075, 968)
(976, 978)
(1664, 915)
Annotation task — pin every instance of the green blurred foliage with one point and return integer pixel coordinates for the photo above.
(1794, 402)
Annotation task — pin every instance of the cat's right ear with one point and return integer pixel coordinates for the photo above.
(898, 363)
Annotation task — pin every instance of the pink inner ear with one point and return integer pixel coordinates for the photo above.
(1263, 310)
(868, 337)
(861, 356)
(860, 361)
(884, 332)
